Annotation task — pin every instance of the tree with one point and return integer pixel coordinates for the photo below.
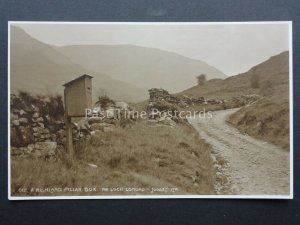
(201, 79)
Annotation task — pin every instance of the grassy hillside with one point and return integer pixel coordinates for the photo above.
(267, 119)
(40, 69)
(143, 155)
(272, 73)
(141, 66)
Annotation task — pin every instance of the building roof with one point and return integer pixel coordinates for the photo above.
(76, 79)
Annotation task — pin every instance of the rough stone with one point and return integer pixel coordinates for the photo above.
(167, 121)
(61, 134)
(45, 149)
(41, 125)
(40, 119)
(22, 112)
(15, 122)
(45, 136)
(45, 145)
(46, 131)
(23, 120)
(35, 108)
(93, 120)
(14, 116)
(37, 129)
(99, 126)
(21, 136)
(16, 151)
(37, 154)
(16, 111)
(53, 137)
(58, 122)
(30, 147)
(122, 105)
(35, 115)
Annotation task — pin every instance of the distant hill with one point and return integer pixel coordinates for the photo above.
(272, 73)
(40, 69)
(141, 66)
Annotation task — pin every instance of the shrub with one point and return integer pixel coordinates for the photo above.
(201, 79)
(104, 101)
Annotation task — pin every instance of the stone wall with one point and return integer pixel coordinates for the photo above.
(163, 101)
(33, 121)
(159, 94)
(38, 128)
(37, 124)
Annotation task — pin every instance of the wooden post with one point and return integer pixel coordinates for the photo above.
(69, 134)
(69, 139)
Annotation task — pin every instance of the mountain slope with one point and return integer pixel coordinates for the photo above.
(39, 69)
(266, 119)
(141, 66)
(273, 74)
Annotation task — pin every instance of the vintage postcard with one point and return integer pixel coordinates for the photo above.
(150, 110)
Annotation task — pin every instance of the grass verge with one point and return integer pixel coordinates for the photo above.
(142, 159)
(267, 119)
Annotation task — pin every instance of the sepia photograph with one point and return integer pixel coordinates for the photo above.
(105, 110)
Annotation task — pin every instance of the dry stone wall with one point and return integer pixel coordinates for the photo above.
(159, 96)
(38, 129)
(37, 125)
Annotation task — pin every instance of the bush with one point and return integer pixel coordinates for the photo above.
(105, 101)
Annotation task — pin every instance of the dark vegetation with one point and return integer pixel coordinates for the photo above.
(104, 101)
(52, 105)
(201, 79)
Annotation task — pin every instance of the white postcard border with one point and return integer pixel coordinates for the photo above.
(290, 196)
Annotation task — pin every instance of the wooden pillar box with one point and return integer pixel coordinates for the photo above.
(77, 98)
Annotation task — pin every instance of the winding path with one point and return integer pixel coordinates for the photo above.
(253, 167)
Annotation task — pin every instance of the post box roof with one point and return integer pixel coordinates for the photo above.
(77, 79)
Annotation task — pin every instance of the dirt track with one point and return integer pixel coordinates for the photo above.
(253, 167)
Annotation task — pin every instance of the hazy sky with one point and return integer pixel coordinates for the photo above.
(233, 48)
